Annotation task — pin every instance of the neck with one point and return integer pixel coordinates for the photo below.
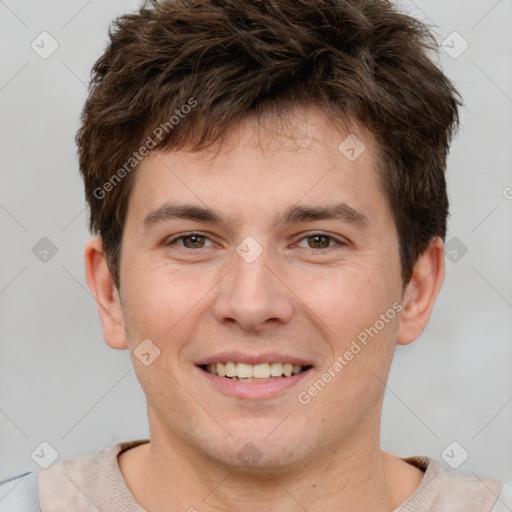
(167, 475)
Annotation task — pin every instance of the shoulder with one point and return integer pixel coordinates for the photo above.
(85, 468)
(504, 501)
(20, 494)
(87, 483)
(443, 489)
(65, 484)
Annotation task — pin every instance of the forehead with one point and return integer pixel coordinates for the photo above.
(266, 164)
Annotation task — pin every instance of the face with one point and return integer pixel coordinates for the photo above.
(275, 251)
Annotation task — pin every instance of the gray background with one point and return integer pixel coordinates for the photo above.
(61, 384)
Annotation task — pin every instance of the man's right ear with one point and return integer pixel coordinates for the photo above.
(102, 286)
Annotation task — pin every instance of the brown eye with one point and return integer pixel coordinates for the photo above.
(319, 241)
(193, 241)
(190, 241)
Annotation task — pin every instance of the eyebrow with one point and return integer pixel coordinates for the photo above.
(291, 215)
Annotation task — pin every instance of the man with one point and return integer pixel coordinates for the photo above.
(266, 180)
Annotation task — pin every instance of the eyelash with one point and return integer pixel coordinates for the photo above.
(338, 242)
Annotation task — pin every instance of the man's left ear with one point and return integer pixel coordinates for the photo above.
(421, 292)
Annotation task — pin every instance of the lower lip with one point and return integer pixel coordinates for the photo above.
(254, 390)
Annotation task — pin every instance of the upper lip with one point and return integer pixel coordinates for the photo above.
(264, 357)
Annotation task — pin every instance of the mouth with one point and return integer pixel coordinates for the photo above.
(261, 372)
(249, 377)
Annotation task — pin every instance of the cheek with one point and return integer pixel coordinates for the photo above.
(157, 298)
(346, 297)
(354, 306)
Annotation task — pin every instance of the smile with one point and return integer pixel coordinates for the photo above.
(253, 372)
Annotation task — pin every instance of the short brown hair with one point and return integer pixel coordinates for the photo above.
(355, 59)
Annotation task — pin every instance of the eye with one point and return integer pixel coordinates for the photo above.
(190, 241)
(321, 241)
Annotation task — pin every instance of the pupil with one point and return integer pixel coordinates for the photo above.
(194, 239)
(316, 239)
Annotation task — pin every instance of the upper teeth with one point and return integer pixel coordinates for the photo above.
(256, 371)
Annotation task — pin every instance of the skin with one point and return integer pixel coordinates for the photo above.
(304, 296)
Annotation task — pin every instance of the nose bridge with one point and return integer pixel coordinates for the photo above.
(251, 294)
(252, 277)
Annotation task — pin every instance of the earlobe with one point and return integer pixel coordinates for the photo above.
(421, 292)
(101, 284)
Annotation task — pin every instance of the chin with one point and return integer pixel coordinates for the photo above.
(264, 445)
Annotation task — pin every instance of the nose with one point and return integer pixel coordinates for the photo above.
(253, 295)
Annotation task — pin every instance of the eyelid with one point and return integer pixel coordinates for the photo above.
(180, 236)
(339, 241)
